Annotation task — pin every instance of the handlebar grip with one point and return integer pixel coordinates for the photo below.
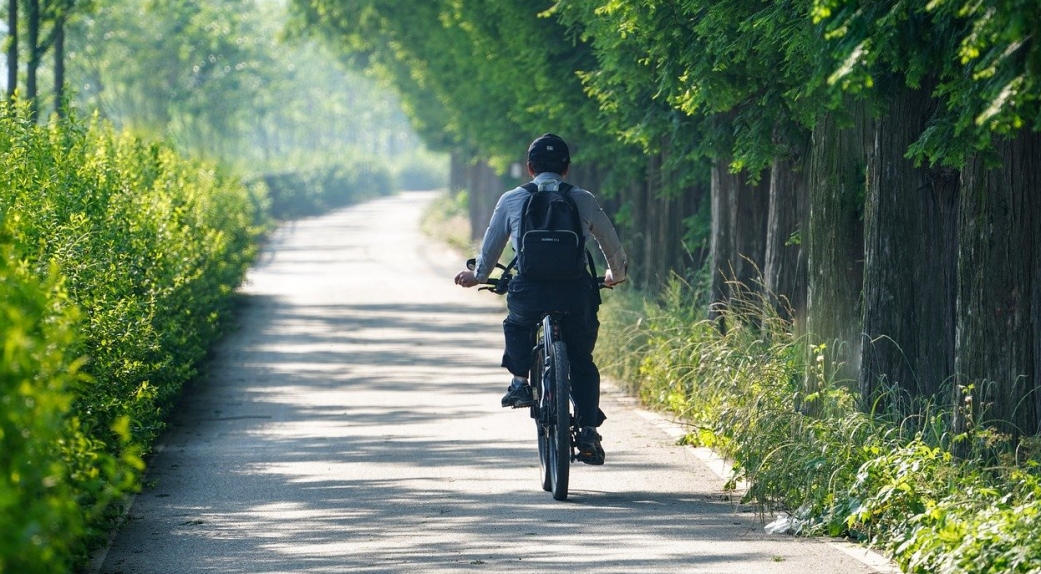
(498, 285)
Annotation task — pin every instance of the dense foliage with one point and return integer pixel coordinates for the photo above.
(318, 189)
(712, 76)
(119, 259)
(43, 455)
(872, 169)
(472, 75)
(882, 154)
(222, 81)
(889, 481)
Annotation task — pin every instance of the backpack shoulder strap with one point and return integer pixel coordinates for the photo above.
(530, 187)
(565, 189)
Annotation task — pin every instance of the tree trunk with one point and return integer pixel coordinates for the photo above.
(785, 268)
(639, 268)
(836, 243)
(485, 187)
(589, 176)
(33, 30)
(667, 210)
(12, 49)
(59, 65)
(696, 197)
(999, 289)
(456, 173)
(652, 250)
(738, 245)
(910, 261)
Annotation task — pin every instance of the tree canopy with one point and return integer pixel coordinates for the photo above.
(220, 79)
(487, 74)
(839, 133)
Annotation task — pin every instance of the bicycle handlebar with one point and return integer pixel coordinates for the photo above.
(500, 285)
(497, 285)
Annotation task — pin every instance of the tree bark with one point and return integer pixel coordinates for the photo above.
(910, 254)
(485, 187)
(655, 223)
(667, 208)
(636, 199)
(33, 65)
(652, 249)
(12, 49)
(456, 173)
(738, 245)
(836, 242)
(785, 268)
(999, 289)
(590, 176)
(59, 65)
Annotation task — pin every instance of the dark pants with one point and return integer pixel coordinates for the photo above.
(527, 301)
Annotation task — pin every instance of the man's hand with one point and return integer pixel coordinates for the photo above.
(466, 279)
(609, 280)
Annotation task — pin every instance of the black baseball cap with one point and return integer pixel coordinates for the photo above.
(549, 148)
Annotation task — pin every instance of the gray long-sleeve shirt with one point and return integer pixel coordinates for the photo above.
(505, 225)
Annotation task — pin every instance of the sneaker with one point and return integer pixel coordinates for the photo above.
(589, 449)
(518, 395)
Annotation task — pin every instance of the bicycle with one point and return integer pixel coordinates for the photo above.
(550, 380)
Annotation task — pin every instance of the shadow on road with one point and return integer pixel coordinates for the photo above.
(350, 423)
(311, 466)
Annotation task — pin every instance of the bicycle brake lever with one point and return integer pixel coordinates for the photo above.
(502, 286)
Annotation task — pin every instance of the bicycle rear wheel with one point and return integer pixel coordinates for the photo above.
(559, 436)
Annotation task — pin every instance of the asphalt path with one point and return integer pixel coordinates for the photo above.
(351, 423)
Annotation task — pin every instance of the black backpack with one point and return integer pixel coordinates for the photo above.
(552, 242)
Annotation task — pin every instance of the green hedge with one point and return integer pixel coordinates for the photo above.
(315, 189)
(117, 263)
(422, 171)
(37, 503)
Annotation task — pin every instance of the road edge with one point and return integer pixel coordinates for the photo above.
(724, 470)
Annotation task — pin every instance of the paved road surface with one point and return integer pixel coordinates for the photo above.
(351, 423)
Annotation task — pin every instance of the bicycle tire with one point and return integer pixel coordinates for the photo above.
(560, 423)
(540, 413)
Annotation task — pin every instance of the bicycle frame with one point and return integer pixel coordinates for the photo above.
(550, 380)
(553, 410)
(549, 333)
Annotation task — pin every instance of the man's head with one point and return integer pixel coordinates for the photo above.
(548, 153)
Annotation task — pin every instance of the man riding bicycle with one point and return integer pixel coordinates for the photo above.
(527, 300)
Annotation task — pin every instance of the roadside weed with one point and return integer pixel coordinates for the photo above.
(769, 402)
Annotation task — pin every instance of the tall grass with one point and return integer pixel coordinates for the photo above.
(756, 392)
(772, 404)
(447, 218)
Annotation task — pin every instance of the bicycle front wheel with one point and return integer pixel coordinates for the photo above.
(542, 413)
(559, 435)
